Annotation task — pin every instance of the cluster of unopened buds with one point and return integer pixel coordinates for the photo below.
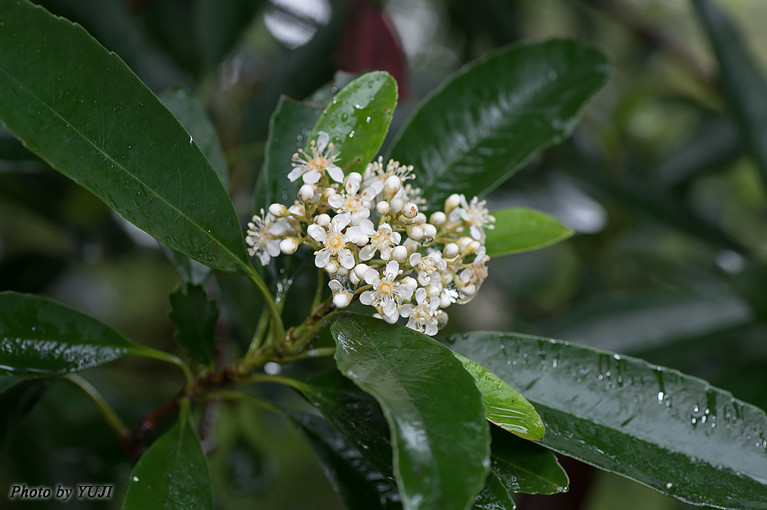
(370, 236)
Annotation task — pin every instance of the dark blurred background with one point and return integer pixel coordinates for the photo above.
(667, 264)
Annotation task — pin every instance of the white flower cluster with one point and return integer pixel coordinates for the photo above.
(369, 234)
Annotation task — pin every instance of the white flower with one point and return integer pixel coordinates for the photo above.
(425, 315)
(341, 296)
(334, 241)
(376, 175)
(313, 166)
(476, 273)
(351, 202)
(429, 268)
(263, 237)
(383, 240)
(387, 294)
(474, 215)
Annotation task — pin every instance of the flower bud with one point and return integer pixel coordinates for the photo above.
(288, 246)
(429, 231)
(411, 245)
(451, 250)
(392, 185)
(383, 207)
(438, 218)
(331, 267)
(399, 254)
(464, 242)
(469, 290)
(323, 220)
(452, 202)
(306, 193)
(410, 210)
(278, 210)
(353, 277)
(359, 271)
(342, 300)
(419, 219)
(297, 209)
(342, 271)
(362, 240)
(415, 232)
(410, 283)
(444, 300)
(396, 205)
(472, 247)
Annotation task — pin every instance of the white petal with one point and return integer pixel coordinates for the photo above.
(264, 257)
(295, 173)
(392, 269)
(335, 173)
(367, 227)
(389, 307)
(335, 286)
(367, 252)
(322, 141)
(371, 277)
(312, 177)
(353, 234)
(414, 259)
(336, 200)
(366, 298)
(406, 310)
(340, 221)
(321, 258)
(317, 233)
(273, 247)
(420, 295)
(346, 258)
(391, 319)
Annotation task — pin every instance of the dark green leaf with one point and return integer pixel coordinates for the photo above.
(8, 381)
(83, 111)
(669, 431)
(39, 337)
(504, 405)
(526, 467)
(741, 80)
(172, 474)
(493, 496)
(16, 402)
(191, 271)
(519, 229)
(352, 476)
(289, 129)
(358, 117)
(196, 122)
(491, 117)
(195, 319)
(434, 411)
(220, 25)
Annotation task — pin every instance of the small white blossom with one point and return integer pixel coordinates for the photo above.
(382, 240)
(357, 205)
(387, 294)
(334, 242)
(474, 215)
(429, 268)
(476, 273)
(424, 316)
(263, 236)
(313, 166)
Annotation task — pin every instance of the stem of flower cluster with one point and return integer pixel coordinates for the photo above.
(109, 415)
(278, 328)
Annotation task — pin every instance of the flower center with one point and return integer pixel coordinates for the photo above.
(334, 242)
(385, 288)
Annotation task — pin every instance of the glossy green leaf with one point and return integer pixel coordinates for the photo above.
(39, 337)
(741, 80)
(522, 466)
(487, 121)
(192, 116)
(435, 413)
(172, 474)
(8, 381)
(82, 110)
(195, 319)
(669, 431)
(353, 477)
(191, 271)
(519, 229)
(504, 405)
(358, 117)
(289, 127)
(493, 496)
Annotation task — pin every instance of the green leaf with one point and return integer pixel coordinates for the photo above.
(519, 229)
(487, 121)
(493, 496)
(16, 402)
(172, 474)
(741, 81)
(353, 477)
(39, 338)
(522, 466)
(191, 271)
(289, 128)
(192, 116)
(358, 117)
(666, 430)
(220, 25)
(195, 319)
(83, 111)
(435, 413)
(7, 382)
(504, 405)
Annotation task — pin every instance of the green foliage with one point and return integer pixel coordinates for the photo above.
(404, 418)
